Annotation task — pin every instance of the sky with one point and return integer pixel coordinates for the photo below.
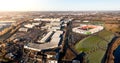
(59, 5)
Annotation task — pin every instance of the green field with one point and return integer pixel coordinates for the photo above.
(94, 46)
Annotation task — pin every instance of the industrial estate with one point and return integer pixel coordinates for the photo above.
(60, 37)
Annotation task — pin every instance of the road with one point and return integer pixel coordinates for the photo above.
(10, 33)
(67, 48)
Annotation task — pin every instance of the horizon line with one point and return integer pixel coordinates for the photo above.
(54, 10)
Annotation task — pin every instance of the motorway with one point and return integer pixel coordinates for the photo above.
(8, 34)
(4, 37)
(67, 48)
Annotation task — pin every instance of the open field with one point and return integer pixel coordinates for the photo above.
(94, 46)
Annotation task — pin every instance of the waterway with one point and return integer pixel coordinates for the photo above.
(117, 55)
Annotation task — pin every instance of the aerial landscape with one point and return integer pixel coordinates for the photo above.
(59, 31)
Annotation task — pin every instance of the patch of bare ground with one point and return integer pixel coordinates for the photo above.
(69, 55)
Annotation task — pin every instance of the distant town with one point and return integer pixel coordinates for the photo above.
(60, 37)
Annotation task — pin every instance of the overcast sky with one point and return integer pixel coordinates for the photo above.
(58, 5)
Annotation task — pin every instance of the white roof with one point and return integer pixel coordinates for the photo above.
(46, 37)
(23, 29)
(55, 40)
(57, 34)
(56, 28)
(85, 21)
(35, 23)
(29, 25)
(39, 47)
(52, 44)
(37, 19)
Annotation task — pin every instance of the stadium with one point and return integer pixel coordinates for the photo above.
(87, 29)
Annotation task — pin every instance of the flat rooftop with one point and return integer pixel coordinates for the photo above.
(54, 42)
(39, 47)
